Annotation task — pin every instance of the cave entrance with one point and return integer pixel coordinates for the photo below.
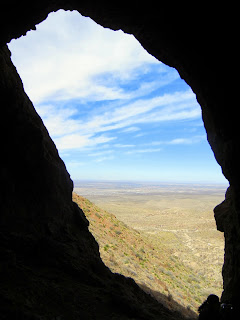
(118, 114)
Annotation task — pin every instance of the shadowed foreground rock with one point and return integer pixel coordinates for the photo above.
(50, 266)
(49, 262)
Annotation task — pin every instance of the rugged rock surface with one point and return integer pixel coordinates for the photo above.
(50, 267)
(50, 264)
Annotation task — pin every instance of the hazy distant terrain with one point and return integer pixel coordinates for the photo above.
(179, 216)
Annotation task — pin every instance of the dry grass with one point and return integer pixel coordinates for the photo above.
(186, 211)
(173, 253)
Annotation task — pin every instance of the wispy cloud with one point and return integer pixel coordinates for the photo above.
(131, 129)
(119, 145)
(75, 164)
(102, 159)
(68, 56)
(167, 107)
(78, 141)
(147, 150)
(180, 141)
(72, 132)
(191, 140)
(100, 153)
(102, 97)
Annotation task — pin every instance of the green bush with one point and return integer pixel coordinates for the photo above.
(106, 247)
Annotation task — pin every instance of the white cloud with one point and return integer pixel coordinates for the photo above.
(148, 150)
(119, 145)
(168, 107)
(75, 164)
(70, 56)
(100, 153)
(104, 159)
(70, 132)
(78, 141)
(191, 140)
(131, 129)
(67, 54)
(59, 121)
(185, 141)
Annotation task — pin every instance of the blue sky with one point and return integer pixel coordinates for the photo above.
(113, 110)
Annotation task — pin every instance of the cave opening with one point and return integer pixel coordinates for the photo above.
(127, 122)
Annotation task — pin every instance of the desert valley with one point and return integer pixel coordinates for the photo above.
(162, 235)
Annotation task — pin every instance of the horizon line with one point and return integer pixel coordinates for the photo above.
(222, 183)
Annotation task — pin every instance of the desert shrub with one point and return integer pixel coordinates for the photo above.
(161, 269)
(192, 278)
(139, 256)
(106, 247)
(89, 203)
(132, 272)
(142, 250)
(150, 277)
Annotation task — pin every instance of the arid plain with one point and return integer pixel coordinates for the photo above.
(179, 216)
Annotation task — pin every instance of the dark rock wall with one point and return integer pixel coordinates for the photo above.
(50, 267)
(36, 188)
(30, 162)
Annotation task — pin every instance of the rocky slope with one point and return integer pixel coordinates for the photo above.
(150, 260)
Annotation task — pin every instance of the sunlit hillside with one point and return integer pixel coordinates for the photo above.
(149, 259)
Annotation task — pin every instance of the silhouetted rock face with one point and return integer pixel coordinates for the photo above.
(49, 262)
(226, 216)
(50, 266)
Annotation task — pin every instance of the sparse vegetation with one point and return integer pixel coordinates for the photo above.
(158, 261)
